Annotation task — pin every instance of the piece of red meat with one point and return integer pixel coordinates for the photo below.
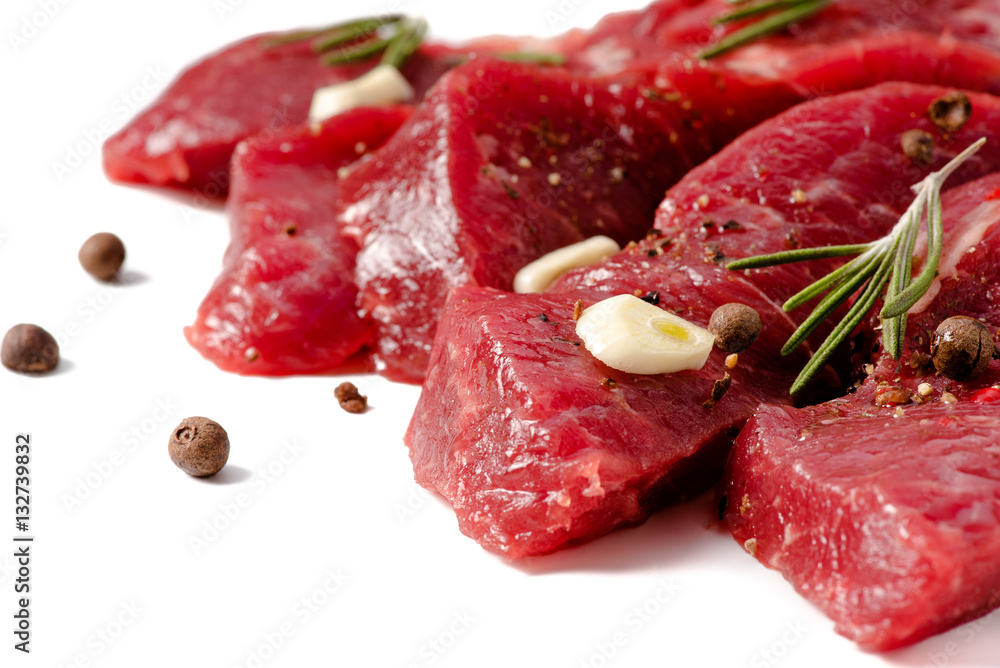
(186, 137)
(963, 287)
(883, 507)
(847, 34)
(285, 301)
(538, 445)
(501, 397)
(890, 525)
(502, 163)
(762, 196)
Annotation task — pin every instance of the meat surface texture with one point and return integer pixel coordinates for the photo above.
(285, 301)
(883, 507)
(490, 429)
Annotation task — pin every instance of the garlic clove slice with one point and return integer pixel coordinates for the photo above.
(379, 87)
(634, 336)
(540, 274)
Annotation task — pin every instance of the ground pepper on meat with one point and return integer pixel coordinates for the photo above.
(886, 395)
(719, 390)
(651, 297)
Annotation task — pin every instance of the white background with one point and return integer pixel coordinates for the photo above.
(116, 580)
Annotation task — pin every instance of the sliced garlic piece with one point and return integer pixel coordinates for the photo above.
(381, 86)
(541, 273)
(634, 336)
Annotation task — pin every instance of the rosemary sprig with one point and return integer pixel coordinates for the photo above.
(393, 35)
(358, 27)
(536, 57)
(405, 42)
(779, 15)
(352, 31)
(888, 260)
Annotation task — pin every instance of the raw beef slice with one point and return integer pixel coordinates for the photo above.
(890, 525)
(812, 177)
(508, 405)
(285, 302)
(883, 508)
(538, 445)
(186, 137)
(845, 34)
(501, 164)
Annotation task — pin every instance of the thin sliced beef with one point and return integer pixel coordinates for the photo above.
(883, 507)
(501, 164)
(478, 400)
(186, 137)
(285, 302)
(538, 445)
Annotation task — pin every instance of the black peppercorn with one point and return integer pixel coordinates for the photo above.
(199, 447)
(102, 255)
(29, 349)
(350, 399)
(950, 111)
(918, 146)
(962, 348)
(735, 327)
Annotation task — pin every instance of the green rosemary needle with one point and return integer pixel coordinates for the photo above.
(886, 261)
(395, 36)
(405, 42)
(774, 15)
(535, 57)
(356, 28)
